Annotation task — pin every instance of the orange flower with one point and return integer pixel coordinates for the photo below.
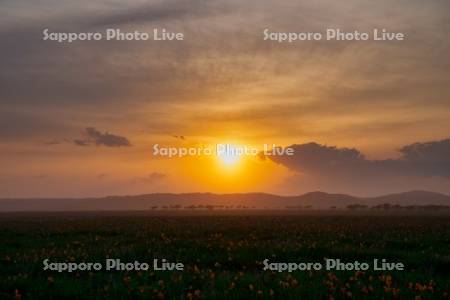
(197, 293)
(17, 294)
(127, 279)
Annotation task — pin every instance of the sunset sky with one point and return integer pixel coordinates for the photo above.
(80, 119)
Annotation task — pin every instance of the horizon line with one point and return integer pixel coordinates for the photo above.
(222, 194)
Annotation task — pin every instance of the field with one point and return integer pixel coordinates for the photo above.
(223, 256)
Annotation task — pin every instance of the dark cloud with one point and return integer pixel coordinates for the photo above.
(419, 159)
(93, 136)
(427, 152)
(312, 156)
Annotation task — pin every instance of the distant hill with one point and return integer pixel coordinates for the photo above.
(317, 200)
(413, 198)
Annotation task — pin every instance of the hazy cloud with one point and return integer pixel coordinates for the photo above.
(151, 178)
(16, 125)
(93, 136)
(55, 142)
(161, 11)
(81, 142)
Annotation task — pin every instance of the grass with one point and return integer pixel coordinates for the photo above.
(223, 256)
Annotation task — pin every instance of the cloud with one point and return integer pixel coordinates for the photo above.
(418, 159)
(29, 124)
(55, 142)
(93, 136)
(427, 152)
(156, 176)
(161, 11)
(125, 74)
(151, 178)
(314, 156)
(81, 142)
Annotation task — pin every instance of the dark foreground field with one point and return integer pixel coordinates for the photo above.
(223, 256)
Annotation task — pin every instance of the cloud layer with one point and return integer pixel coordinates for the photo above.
(223, 82)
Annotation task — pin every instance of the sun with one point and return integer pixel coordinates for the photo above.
(228, 155)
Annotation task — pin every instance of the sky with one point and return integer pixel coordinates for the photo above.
(365, 118)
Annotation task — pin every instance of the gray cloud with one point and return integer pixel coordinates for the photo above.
(93, 136)
(99, 72)
(418, 159)
(162, 11)
(427, 152)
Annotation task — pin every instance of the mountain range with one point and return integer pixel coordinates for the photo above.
(316, 200)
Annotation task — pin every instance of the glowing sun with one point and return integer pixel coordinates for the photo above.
(228, 155)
